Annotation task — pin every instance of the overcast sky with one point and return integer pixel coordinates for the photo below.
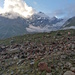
(59, 8)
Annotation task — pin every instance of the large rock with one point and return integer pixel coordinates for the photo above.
(44, 67)
(69, 73)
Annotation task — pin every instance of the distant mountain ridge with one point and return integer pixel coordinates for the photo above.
(69, 24)
(42, 19)
(13, 24)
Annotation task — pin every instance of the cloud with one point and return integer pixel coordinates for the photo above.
(67, 12)
(17, 6)
(56, 13)
(46, 28)
(32, 28)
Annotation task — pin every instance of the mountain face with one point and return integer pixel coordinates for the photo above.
(40, 22)
(69, 24)
(40, 19)
(12, 25)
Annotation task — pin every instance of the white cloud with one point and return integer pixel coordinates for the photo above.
(32, 28)
(71, 27)
(66, 12)
(17, 6)
(46, 28)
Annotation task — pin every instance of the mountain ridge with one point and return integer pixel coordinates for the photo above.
(17, 25)
(70, 23)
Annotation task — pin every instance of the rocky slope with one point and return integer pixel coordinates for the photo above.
(39, 54)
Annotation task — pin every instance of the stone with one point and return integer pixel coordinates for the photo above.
(69, 33)
(48, 73)
(73, 46)
(72, 69)
(20, 62)
(12, 72)
(48, 70)
(68, 65)
(15, 57)
(42, 66)
(32, 63)
(69, 73)
(60, 64)
(63, 56)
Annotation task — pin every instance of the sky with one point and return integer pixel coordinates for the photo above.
(54, 7)
(49, 5)
(58, 8)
